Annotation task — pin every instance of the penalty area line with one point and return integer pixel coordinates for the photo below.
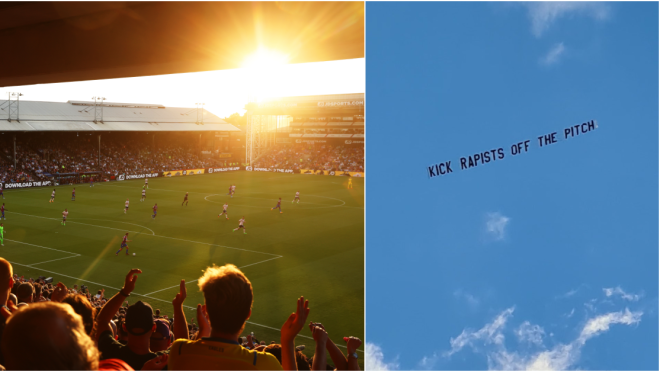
(192, 281)
(159, 236)
(64, 258)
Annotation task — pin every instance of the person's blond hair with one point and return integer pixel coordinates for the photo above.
(53, 329)
(228, 295)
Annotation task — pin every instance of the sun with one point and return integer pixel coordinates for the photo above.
(264, 59)
(264, 68)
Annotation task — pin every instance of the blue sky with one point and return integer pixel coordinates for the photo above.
(547, 259)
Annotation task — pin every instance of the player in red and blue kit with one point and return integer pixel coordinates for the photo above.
(91, 182)
(2, 191)
(2, 209)
(124, 244)
(73, 194)
(278, 206)
(155, 208)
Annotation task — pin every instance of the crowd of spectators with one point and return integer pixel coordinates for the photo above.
(77, 329)
(42, 158)
(315, 157)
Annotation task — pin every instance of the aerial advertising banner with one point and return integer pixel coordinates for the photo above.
(518, 148)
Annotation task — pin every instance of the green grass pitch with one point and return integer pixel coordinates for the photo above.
(314, 249)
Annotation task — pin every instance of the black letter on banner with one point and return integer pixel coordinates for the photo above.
(591, 126)
(463, 166)
(431, 174)
(567, 131)
(500, 153)
(552, 137)
(448, 166)
(513, 150)
(476, 159)
(486, 156)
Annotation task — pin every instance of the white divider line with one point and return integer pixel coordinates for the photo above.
(137, 294)
(81, 223)
(192, 281)
(253, 197)
(274, 258)
(174, 286)
(38, 246)
(159, 236)
(38, 263)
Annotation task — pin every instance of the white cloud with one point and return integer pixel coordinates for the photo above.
(543, 14)
(490, 334)
(599, 324)
(559, 357)
(618, 291)
(571, 313)
(530, 333)
(374, 359)
(553, 54)
(496, 224)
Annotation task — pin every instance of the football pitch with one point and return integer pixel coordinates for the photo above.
(314, 249)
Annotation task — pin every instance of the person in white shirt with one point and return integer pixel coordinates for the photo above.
(224, 211)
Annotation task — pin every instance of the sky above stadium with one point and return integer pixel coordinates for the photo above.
(547, 259)
(224, 92)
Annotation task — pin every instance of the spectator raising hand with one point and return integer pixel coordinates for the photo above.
(290, 330)
(139, 324)
(204, 325)
(180, 325)
(59, 293)
(228, 301)
(321, 338)
(352, 344)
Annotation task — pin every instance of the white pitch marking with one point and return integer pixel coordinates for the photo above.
(252, 197)
(174, 286)
(81, 223)
(39, 263)
(159, 236)
(192, 281)
(134, 224)
(39, 246)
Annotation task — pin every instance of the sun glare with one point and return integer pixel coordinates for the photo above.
(265, 58)
(263, 67)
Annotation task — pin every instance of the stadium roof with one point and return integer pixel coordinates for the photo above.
(79, 116)
(326, 104)
(52, 42)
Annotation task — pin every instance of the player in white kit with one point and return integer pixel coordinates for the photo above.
(241, 225)
(144, 195)
(297, 197)
(126, 206)
(52, 197)
(224, 211)
(64, 214)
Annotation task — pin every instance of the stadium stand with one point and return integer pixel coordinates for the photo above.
(314, 156)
